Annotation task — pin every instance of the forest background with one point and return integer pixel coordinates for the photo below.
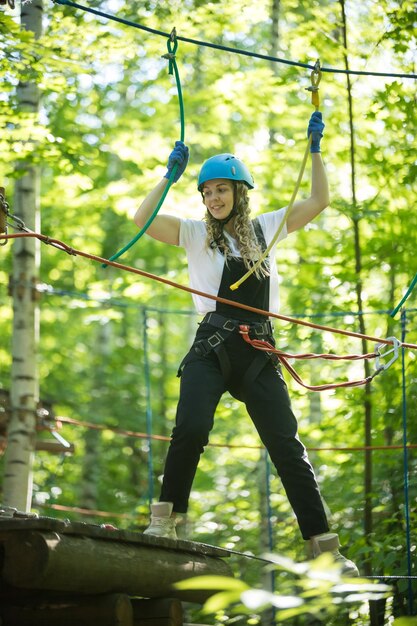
(110, 342)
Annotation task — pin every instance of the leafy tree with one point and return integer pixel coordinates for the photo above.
(109, 117)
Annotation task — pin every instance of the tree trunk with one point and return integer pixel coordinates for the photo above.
(274, 49)
(106, 610)
(147, 567)
(266, 539)
(115, 609)
(98, 408)
(368, 520)
(26, 259)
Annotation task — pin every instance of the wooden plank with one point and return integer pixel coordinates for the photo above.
(167, 608)
(75, 564)
(108, 610)
(159, 621)
(54, 447)
(96, 531)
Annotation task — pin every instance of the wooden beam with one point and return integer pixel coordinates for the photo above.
(109, 610)
(47, 560)
(160, 612)
(55, 447)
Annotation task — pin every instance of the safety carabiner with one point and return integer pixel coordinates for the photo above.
(380, 355)
(172, 45)
(4, 212)
(315, 78)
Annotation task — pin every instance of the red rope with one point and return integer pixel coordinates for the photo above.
(139, 435)
(82, 511)
(73, 251)
(265, 346)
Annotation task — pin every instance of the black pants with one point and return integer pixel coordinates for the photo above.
(267, 402)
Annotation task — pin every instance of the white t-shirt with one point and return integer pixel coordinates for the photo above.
(205, 266)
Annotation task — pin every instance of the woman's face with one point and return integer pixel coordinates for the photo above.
(218, 197)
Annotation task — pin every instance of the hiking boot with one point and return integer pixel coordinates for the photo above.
(162, 524)
(329, 542)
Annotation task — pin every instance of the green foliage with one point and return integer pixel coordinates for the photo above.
(405, 621)
(111, 341)
(315, 589)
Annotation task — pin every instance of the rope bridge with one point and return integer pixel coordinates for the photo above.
(394, 343)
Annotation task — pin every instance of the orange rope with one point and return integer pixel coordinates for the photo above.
(73, 251)
(81, 511)
(265, 346)
(139, 435)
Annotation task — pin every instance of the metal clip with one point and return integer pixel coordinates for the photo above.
(315, 78)
(172, 45)
(20, 224)
(394, 349)
(4, 212)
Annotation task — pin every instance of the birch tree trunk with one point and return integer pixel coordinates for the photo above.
(26, 259)
(98, 408)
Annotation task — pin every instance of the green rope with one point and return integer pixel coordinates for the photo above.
(405, 296)
(172, 45)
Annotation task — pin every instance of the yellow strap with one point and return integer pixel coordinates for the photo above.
(315, 78)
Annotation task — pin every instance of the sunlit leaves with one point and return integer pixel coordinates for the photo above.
(108, 119)
(316, 588)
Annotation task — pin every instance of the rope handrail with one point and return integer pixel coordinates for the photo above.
(315, 78)
(172, 45)
(257, 55)
(405, 297)
(140, 435)
(283, 357)
(60, 245)
(127, 301)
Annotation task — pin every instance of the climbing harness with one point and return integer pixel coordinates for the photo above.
(215, 343)
(315, 78)
(226, 325)
(283, 357)
(172, 45)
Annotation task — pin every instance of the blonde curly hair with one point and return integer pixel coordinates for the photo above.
(247, 243)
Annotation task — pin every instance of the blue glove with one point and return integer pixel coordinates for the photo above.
(315, 129)
(179, 155)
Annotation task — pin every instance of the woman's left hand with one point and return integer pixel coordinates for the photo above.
(315, 129)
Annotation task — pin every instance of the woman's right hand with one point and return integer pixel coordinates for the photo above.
(179, 156)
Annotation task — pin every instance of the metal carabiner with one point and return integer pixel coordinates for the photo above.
(396, 344)
(4, 212)
(315, 78)
(172, 45)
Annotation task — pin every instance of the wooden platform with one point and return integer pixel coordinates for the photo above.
(55, 572)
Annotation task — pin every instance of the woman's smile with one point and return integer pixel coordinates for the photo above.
(218, 197)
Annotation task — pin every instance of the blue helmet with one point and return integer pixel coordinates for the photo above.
(225, 166)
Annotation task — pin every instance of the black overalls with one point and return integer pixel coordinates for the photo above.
(220, 360)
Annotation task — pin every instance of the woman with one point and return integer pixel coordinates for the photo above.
(220, 250)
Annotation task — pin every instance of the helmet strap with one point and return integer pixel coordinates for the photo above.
(227, 219)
